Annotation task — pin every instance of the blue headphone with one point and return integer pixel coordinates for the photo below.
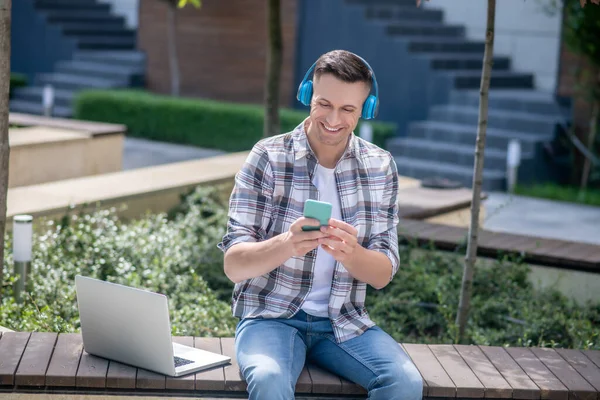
(370, 107)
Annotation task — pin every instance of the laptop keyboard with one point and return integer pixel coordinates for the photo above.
(181, 361)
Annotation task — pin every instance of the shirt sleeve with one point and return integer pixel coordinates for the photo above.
(250, 204)
(384, 236)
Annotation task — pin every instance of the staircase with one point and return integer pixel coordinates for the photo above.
(105, 56)
(443, 145)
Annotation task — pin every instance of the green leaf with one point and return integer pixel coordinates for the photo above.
(195, 3)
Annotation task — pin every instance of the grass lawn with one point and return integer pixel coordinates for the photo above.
(552, 191)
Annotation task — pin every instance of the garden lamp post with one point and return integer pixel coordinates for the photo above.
(22, 243)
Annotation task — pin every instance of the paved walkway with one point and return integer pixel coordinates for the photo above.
(515, 214)
(545, 218)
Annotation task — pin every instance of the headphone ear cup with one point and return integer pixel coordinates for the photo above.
(305, 92)
(370, 107)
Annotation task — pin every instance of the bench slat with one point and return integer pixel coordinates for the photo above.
(437, 380)
(523, 387)
(551, 388)
(12, 346)
(187, 382)
(214, 378)
(149, 380)
(495, 385)
(583, 365)
(467, 384)
(323, 382)
(593, 355)
(576, 384)
(62, 370)
(304, 383)
(92, 371)
(120, 376)
(233, 377)
(425, 386)
(33, 365)
(349, 387)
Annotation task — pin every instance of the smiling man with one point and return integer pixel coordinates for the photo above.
(300, 296)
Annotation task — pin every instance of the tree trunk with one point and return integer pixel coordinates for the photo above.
(274, 60)
(590, 145)
(172, 43)
(469, 266)
(5, 7)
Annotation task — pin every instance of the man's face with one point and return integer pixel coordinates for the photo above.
(335, 109)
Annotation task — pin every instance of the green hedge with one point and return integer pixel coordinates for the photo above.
(16, 81)
(202, 123)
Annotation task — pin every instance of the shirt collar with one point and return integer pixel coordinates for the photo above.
(302, 146)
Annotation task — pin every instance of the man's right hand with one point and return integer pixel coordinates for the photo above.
(301, 242)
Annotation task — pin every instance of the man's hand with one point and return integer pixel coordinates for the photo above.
(302, 242)
(341, 241)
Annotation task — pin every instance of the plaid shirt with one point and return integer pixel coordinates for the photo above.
(268, 196)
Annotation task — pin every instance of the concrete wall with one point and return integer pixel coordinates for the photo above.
(526, 30)
(125, 8)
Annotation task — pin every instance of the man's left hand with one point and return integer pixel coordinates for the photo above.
(342, 240)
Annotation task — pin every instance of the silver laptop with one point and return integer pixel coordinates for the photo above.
(132, 326)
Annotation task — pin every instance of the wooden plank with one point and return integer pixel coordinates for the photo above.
(33, 365)
(593, 355)
(120, 376)
(233, 377)
(523, 387)
(578, 387)
(425, 386)
(583, 365)
(186, 382)
(495, 385)
(149, 380)
(550, 387)
(62, 370)
(214, 378)
(438, 382)
(12, 346)
(467, 384)
(304, 383)
(92, 371)
(323, 382)
(349, 387)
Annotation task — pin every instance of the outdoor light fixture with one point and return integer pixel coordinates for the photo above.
(513, 160)
(366, 131)
(22, 243)
(48, 100)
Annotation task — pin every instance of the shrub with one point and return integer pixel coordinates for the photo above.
(202, 123)
(16, 81)
(162, 255)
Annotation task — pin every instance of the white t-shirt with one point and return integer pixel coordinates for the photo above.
(317, 300)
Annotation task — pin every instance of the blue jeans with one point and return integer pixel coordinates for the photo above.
(271, 354)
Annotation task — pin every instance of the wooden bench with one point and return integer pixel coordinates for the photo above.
(42, 363)
(534, 250)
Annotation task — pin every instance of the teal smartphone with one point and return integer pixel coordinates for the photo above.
(319, 210)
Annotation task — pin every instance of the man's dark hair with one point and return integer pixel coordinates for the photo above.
(345, 66)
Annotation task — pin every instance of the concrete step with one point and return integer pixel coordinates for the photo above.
(466, 135)
(509, 120)
(463, 61)
(60, 16)
(499, 79)
(132, 74)
(73, 82)
(420, 28)
(441, 44)
(456, 154)
(420, 169)
(403, 13)
(27, 107)
(68, 5)
(395, 3)
(132, 58)
(96, 29)
(530, 101)
(106, 42)
(34, 94)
